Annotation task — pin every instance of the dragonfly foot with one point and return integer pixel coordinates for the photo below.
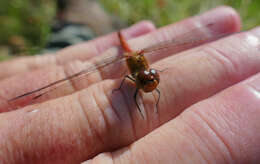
(157, 103)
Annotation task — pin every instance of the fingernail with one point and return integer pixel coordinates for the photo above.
(139, 28)
(224, 19)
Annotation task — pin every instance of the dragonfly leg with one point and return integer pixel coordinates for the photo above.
(126, 77)
(159, 95)
(135, 97)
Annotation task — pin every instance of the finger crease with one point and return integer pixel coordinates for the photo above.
(92, 129)
(103, 116)
(111, 104)
(223, 59)
(70, 81)
(195, 132)
(130, 114)
(216, 134)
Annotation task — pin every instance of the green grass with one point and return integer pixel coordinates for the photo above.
(163, 12)
(25, 24)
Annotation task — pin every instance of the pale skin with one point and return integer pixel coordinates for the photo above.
(208, 112)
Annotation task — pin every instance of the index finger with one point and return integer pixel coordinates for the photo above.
(81, 52)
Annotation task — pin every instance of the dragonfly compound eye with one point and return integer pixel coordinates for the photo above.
(148, 80)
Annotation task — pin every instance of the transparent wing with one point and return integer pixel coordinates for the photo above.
(62, 86)
(186, 40)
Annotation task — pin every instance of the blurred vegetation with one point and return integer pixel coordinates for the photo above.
(25, 24)
(163, 12)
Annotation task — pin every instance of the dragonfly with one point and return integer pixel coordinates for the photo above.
(145, 78)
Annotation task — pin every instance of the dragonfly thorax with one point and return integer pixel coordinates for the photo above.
(136, 62)
(147, 80)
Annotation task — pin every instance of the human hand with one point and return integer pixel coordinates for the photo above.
(211, 115)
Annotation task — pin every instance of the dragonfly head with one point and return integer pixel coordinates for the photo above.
(148, 80)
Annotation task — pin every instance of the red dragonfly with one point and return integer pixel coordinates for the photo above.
(145, 78)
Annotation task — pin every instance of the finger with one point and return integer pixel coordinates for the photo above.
(96, 120)
(225, 19)
(83, 51)
(86, 51)
(221, 129)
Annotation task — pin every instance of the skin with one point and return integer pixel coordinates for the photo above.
(208, 112)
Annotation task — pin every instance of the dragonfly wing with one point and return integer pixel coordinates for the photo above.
(63, 86)
(186, 40)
